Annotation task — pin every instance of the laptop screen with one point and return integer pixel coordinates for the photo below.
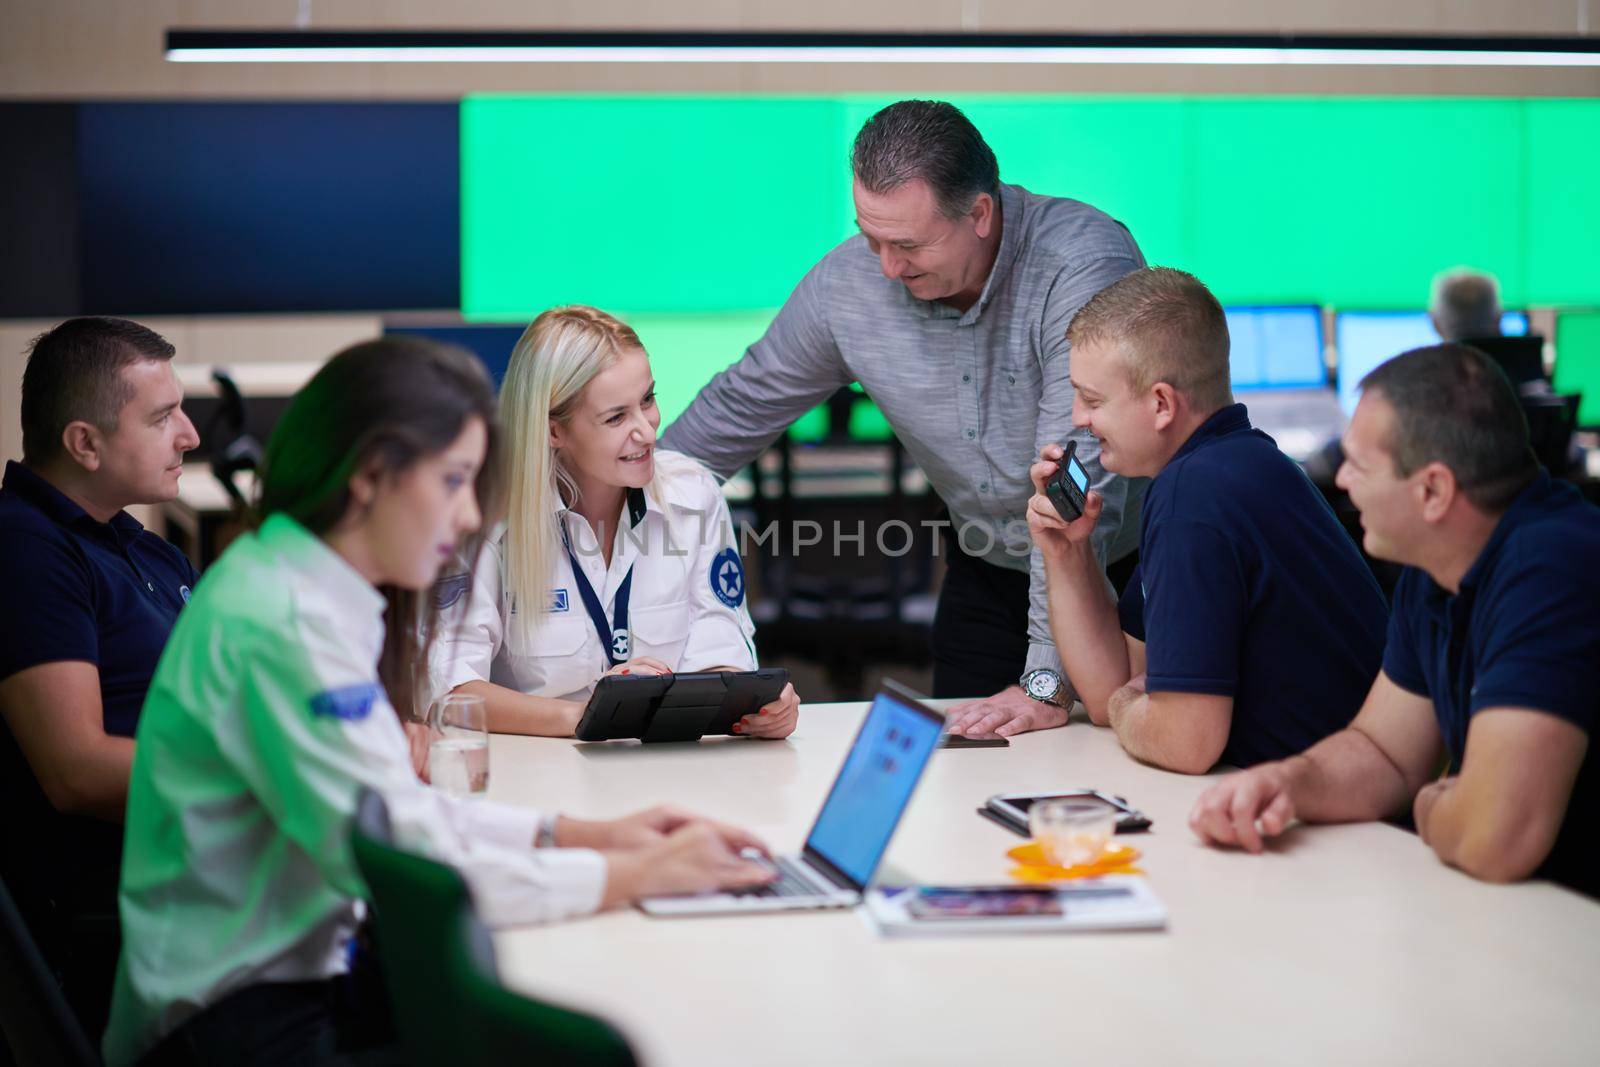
(874, 785)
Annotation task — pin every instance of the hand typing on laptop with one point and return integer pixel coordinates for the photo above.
(645, 828)
(693, 858)
(853, 828)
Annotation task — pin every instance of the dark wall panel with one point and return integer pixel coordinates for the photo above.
(38, 211)
(269, 207)
(490, 342)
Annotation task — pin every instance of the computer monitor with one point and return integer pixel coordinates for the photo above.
(1276, 347)
(1364, 339)
(1578, 362)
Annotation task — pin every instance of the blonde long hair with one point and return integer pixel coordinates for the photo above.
(556, 358)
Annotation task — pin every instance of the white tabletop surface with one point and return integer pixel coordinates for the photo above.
(1344, 945)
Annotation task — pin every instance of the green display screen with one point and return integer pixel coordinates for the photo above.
(696, 215)
(1578, 362)
(688, 349)
(644, 203)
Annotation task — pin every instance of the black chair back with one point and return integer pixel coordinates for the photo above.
(38, 1024)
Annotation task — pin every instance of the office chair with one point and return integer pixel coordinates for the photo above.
(438, 964)
(1522, 358)
(235, 449)
(850, 609)
(1552, 419)
(41, 1028)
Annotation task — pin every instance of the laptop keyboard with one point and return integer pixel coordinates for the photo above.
(787, 884)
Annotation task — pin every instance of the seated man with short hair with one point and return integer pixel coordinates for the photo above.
(1251, 628)
(1493, 658)
(89, 599)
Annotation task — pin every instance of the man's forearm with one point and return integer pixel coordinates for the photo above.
(1127, 713)
(1474, 833)
(1084, 623)
(1175, 731)
(97, 785)
(1346, 778)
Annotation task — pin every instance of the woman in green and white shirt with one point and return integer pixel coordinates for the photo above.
(279, 697)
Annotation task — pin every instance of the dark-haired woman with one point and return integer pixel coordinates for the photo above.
(276, 702)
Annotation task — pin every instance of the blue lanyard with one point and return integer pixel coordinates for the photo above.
(614, 639)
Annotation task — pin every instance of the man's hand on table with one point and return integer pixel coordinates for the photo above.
(1008, 712)
(1244, 808)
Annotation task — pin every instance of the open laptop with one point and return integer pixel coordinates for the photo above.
(852, 831)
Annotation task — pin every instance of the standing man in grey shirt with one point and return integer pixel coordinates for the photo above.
(951, 309)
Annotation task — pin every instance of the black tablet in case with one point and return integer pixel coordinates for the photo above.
(676, 707)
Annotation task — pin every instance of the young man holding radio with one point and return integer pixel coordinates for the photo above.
(1493, 657)
(1252, 627)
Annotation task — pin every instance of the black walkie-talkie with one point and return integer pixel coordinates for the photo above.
(1068, 488)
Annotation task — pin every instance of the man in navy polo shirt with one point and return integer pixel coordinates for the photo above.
(1493, 662)
(89, 599)
(1252, 627)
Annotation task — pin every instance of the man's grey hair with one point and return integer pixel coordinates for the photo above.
(928, 140)
(1465, 304)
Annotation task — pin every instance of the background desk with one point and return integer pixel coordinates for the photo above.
(1344, 945)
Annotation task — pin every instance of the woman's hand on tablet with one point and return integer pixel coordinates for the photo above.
(640, 665)
(774, 720)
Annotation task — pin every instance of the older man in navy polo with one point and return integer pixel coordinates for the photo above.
(1493, 659)
(90, 597)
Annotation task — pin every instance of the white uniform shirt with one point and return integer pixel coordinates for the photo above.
(263, 721)
(686, 606)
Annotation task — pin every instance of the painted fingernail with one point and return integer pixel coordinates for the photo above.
(624, 670)
(737, 728)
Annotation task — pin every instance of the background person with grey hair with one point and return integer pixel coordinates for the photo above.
(951, 310)
(1465, 305)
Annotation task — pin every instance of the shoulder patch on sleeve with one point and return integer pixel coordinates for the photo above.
(447, 592)
(352, 703)
(727, 577)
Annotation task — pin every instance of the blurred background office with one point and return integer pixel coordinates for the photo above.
(261, 215)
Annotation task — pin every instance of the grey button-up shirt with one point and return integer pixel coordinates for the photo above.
(973, 396)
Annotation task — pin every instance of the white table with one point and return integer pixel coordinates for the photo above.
(1344, 945)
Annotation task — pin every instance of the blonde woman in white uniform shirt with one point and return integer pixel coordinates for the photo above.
(270, 711)
(616, 558)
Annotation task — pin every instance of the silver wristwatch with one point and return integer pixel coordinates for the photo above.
(1043, 684)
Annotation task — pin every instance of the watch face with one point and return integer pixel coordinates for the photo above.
(1042, 685)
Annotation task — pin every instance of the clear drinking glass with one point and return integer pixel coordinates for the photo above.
(1072, 832)
(458, 759)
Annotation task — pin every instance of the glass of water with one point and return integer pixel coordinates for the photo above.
(1072, 831)
(458, 759)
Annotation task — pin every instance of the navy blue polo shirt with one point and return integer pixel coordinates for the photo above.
(1248, 587)
(1523, 631)
(75, 589)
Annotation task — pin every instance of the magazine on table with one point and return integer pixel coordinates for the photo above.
(1114, 902)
